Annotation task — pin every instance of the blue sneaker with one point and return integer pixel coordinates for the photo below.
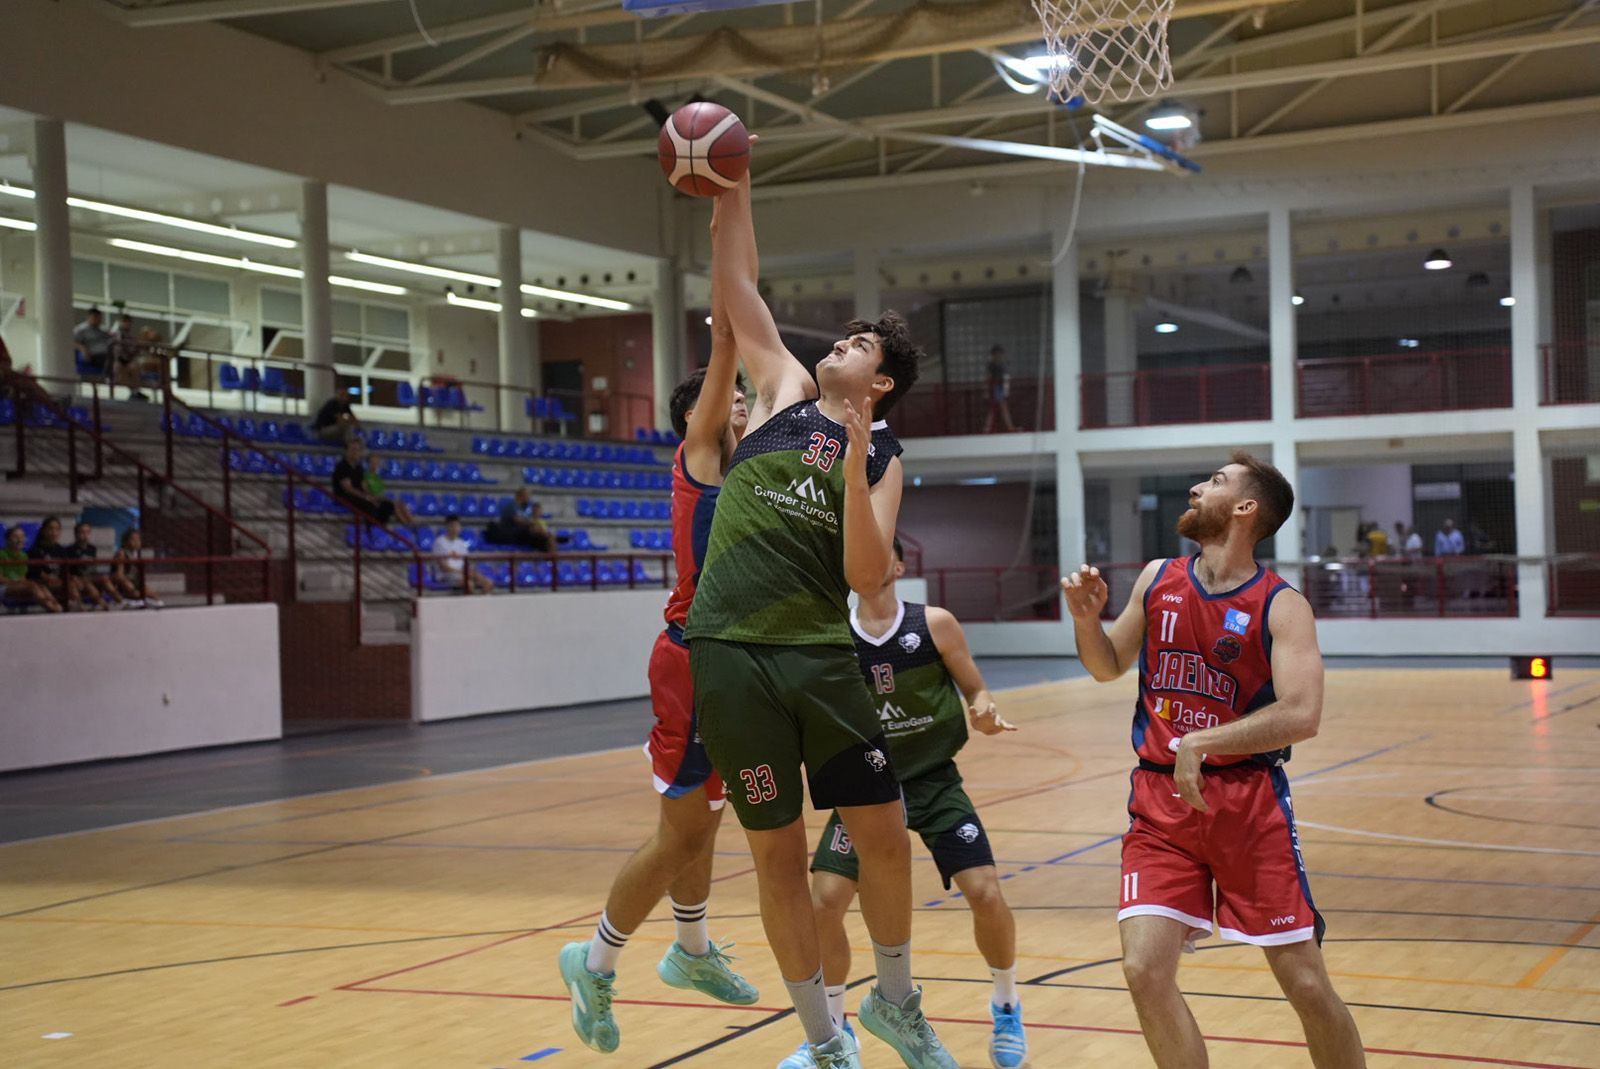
(905, 1029)
(1008, 1047)
(840, 1052)
(592, 993)
(707, 973)
(801, 1059)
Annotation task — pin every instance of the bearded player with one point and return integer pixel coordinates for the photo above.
(677, 859)
(916, 660)
(1230, 677)
(807, 514)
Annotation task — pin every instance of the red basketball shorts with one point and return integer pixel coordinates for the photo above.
(1239, 862)
(678, 760)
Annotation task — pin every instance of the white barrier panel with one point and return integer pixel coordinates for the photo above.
(85, 686)
(493, 654)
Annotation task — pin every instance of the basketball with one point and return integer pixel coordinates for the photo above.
(704, 149)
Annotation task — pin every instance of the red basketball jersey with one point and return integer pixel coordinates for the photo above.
(1207, 660)
(693, 505)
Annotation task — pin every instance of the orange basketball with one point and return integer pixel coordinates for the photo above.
(704, 149)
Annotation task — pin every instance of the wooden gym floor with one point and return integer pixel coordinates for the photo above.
(1447, 817)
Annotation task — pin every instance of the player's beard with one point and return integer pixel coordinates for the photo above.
(1202, 524)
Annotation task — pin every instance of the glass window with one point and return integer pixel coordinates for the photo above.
(280, 307)
(346, 317)
(141, 286)
(201, 295)
(386, 322)
(89, 278)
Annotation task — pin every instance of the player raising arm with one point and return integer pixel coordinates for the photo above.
(1230, 677)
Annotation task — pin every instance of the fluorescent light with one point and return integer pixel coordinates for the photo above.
(422, 269)
(17, 224)
(1410, 343)
(1166, 328)
(1169, 117)
(180, 223)
(987, 480)
(708, 321)
(1508, 302)
(15, 191)
(1438, 260)
(1035, 67)
(241, 264)
(483, 306)
(1297, 300)
(576, 298)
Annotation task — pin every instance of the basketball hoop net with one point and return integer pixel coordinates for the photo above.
(1104, 50)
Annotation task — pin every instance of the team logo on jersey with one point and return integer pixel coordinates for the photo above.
(891, 711)
(1227, 649)
(968, 832)
(1236, 621)
(910, 642)
(876, 759)
(808, 489)
(1187, 672)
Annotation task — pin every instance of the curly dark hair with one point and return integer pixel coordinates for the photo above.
(684, 397)
(902, 357)
(1274, 496)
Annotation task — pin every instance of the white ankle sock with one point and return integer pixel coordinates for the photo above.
(691, 921)
(1005, 987)
(836, 1005)
(606, 947)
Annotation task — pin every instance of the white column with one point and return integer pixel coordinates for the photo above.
(1285, 356)
(1067, 366)
(1528, 465)
(513, 368)
(667, 337)
(1125, 532)
(1122, 354)
(53, 249)
(869, 284)
(316, 295)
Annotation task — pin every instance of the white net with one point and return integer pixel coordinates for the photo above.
(1107, 50)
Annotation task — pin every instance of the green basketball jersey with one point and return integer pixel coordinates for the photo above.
(921, 711)
(774, 566)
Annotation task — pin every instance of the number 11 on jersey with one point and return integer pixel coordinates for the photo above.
(1169, 624)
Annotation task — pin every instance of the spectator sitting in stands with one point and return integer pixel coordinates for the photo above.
(132, 361)
(1448, 541)
(123, 562)
(1407, 540)
(47, 553)
(520, 524)
(350, 486)
(335, 423)
(452, 550)
(14, 581)
(377, 488)
(92, 576)
(94, 341)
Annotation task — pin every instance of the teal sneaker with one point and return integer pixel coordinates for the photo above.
(801, 1059)
(1008, 1047)
(707, 973)
(905, 1029)
(840, 1052)
(592, 993)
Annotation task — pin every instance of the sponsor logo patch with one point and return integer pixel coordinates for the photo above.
(967, 833)
(910, 642)
(1236, 621)
(876, 759)
(1227, 649)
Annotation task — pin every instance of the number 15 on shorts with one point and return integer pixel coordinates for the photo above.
(759, 786)
(1130, 887)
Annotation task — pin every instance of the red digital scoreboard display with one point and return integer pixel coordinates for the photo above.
(1532, 668)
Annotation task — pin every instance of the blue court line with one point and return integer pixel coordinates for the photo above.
(1551, 694)
(536, 1055)
(1035, 865)
(1358, 760)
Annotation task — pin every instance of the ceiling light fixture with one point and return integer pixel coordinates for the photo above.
(17, 224)
(161, 218)
(1026, 74)
(1477, 280)
(576, 298)
(1508, 302)
(1169, 117)
(451, 273)
(482, 306)
(1297, 300)
(1166, 328)
(241, 264)
(1438, 260)
(1241, 276)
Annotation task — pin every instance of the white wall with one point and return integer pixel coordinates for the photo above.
(1382, 491)
(493, 654)
(81, 687)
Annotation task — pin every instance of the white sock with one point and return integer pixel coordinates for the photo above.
(1005, 987)
(606, 947)
(692, 934)
(894, 971)
(811, 1006)
(836, 1005)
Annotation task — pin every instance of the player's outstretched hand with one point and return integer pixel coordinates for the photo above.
(986, 719)
(1188, 778)
(1086, 593)
(859, 423)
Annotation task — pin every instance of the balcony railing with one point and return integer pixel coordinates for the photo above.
(1405, 382)
(1571, 373)
(997, 593)
(934, 409)
(1573, 582)
(1222, 392)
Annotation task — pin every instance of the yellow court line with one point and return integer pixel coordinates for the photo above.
(157, 923)
(1558, 953)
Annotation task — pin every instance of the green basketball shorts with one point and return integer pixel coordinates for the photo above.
(938, 809)
(766, 711)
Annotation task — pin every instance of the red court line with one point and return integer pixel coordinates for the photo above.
(568, 998)
(297, 1001)
(356, 984)
(1472, 1058)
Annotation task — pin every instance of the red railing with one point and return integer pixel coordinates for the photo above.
(1214, 394)
(431, 564)
(1405, 382)
(997, 593)
(931, 409)
(1571, 373)
(1572, 583)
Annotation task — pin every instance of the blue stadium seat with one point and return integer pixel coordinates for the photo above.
(405, 395)
(436, 473)
(533, 476)
(568, 572)
(585, 507)
(640, 575)
(409, 500)
(475, 475)
(350, 535)
(427, 505)
(454, 473)
(251, 380)
(636, 539)
(449, 503)
(425, 537)
(469, 506)
(378, 439)
(480, 446)
(295, 434)
(228, 377)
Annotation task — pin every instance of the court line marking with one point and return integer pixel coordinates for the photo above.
(1460, 843)
(1537, 972)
